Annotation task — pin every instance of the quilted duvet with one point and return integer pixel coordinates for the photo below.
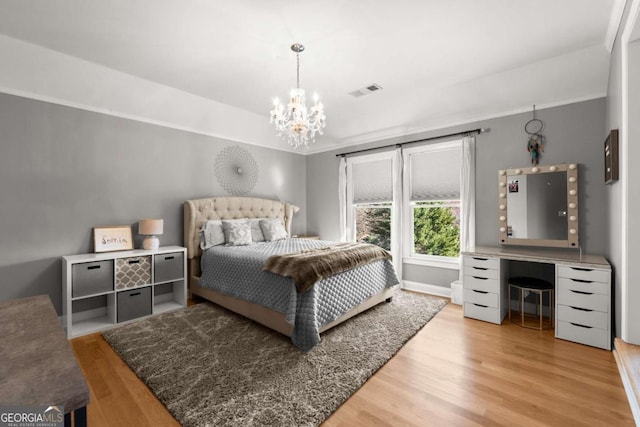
(237, 271)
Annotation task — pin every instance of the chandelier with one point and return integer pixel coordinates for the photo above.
(295, 123)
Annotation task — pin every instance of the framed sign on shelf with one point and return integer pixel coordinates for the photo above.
(611, 157)
(112, 238)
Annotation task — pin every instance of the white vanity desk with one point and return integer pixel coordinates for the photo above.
(582, 290)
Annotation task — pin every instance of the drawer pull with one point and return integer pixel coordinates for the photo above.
(480, 268)
(581, 269)
(480, 305)
(580, 308)
(581, 281)
(134, 294)
(480, 278)
(134, 261)
(481, 259)
(93, 267)
(581, 292)
(479, 292)
(581, 326)
(169, 257)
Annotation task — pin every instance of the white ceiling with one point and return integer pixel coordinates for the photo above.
(440, 62)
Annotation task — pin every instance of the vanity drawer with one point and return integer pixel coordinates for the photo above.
(480, 284)
(489, 299)
(595, 319)
(590, 287)
(588, 274)
(487, 314)
(595, 337)
(582, 300)
(475, 261)
(480, 272)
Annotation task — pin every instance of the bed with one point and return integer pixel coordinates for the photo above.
(331, 301)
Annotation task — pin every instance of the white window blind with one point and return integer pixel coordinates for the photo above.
(435, 175)
(373, 181)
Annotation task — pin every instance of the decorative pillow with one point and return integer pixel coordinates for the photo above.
(256, 231)
(211, 234)
(272, 229)
(237, 232)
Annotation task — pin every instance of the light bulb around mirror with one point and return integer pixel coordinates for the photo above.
(502, 172)
(518, 171)
(572, 179)
(553, 168)
(572, 231)
(503, 184)
(502, 195)
(502, 207)
(534, 169)
(572, 218)
(572, 205)
(502, 229)
(573, 192)
(572, 166)
(503, 218)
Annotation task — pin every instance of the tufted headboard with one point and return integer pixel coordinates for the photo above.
(197, 212)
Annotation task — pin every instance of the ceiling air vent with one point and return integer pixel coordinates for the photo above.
(365, 90)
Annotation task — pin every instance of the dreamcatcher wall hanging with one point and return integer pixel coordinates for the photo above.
(536, 140)
(236, 170)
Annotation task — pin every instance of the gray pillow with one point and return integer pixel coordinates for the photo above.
(211, 234)
(256, 231)
(237, 232)
(272, 229)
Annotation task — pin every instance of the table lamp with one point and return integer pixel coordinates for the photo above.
(150, 228)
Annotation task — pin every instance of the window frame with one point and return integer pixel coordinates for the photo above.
(408, 245)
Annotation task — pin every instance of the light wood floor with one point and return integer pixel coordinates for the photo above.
(455, 371)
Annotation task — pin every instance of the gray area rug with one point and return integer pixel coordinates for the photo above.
(210, 366)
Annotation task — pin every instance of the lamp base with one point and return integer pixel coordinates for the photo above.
(151, 243)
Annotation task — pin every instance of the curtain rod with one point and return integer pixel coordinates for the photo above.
(466, 132)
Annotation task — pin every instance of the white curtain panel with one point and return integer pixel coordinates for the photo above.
(396, 216)
(342, 197)
(468, 197)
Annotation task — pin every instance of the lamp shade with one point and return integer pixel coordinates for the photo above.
(150, 227)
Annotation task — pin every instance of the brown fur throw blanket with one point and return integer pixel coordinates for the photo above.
(309, 266)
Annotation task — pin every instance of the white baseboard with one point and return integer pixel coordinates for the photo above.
(628, 388)
(426, 288)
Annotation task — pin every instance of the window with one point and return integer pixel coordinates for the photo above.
(432, 203)
(436, 228)
(415, 202)
(370, 198)
(373, 224)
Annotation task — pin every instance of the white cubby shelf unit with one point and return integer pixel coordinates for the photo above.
(101, 290)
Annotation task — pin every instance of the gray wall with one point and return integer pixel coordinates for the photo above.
(64, 171)
(574, 133)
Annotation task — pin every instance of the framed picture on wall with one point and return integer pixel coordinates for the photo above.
(112, 238)
(611, 157)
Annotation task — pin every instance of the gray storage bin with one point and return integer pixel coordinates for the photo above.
(134, 303)
(168, 267)
(91, 278)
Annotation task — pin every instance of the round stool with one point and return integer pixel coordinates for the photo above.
(522, 288)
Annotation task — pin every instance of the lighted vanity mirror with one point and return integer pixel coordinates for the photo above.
(538, 206)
